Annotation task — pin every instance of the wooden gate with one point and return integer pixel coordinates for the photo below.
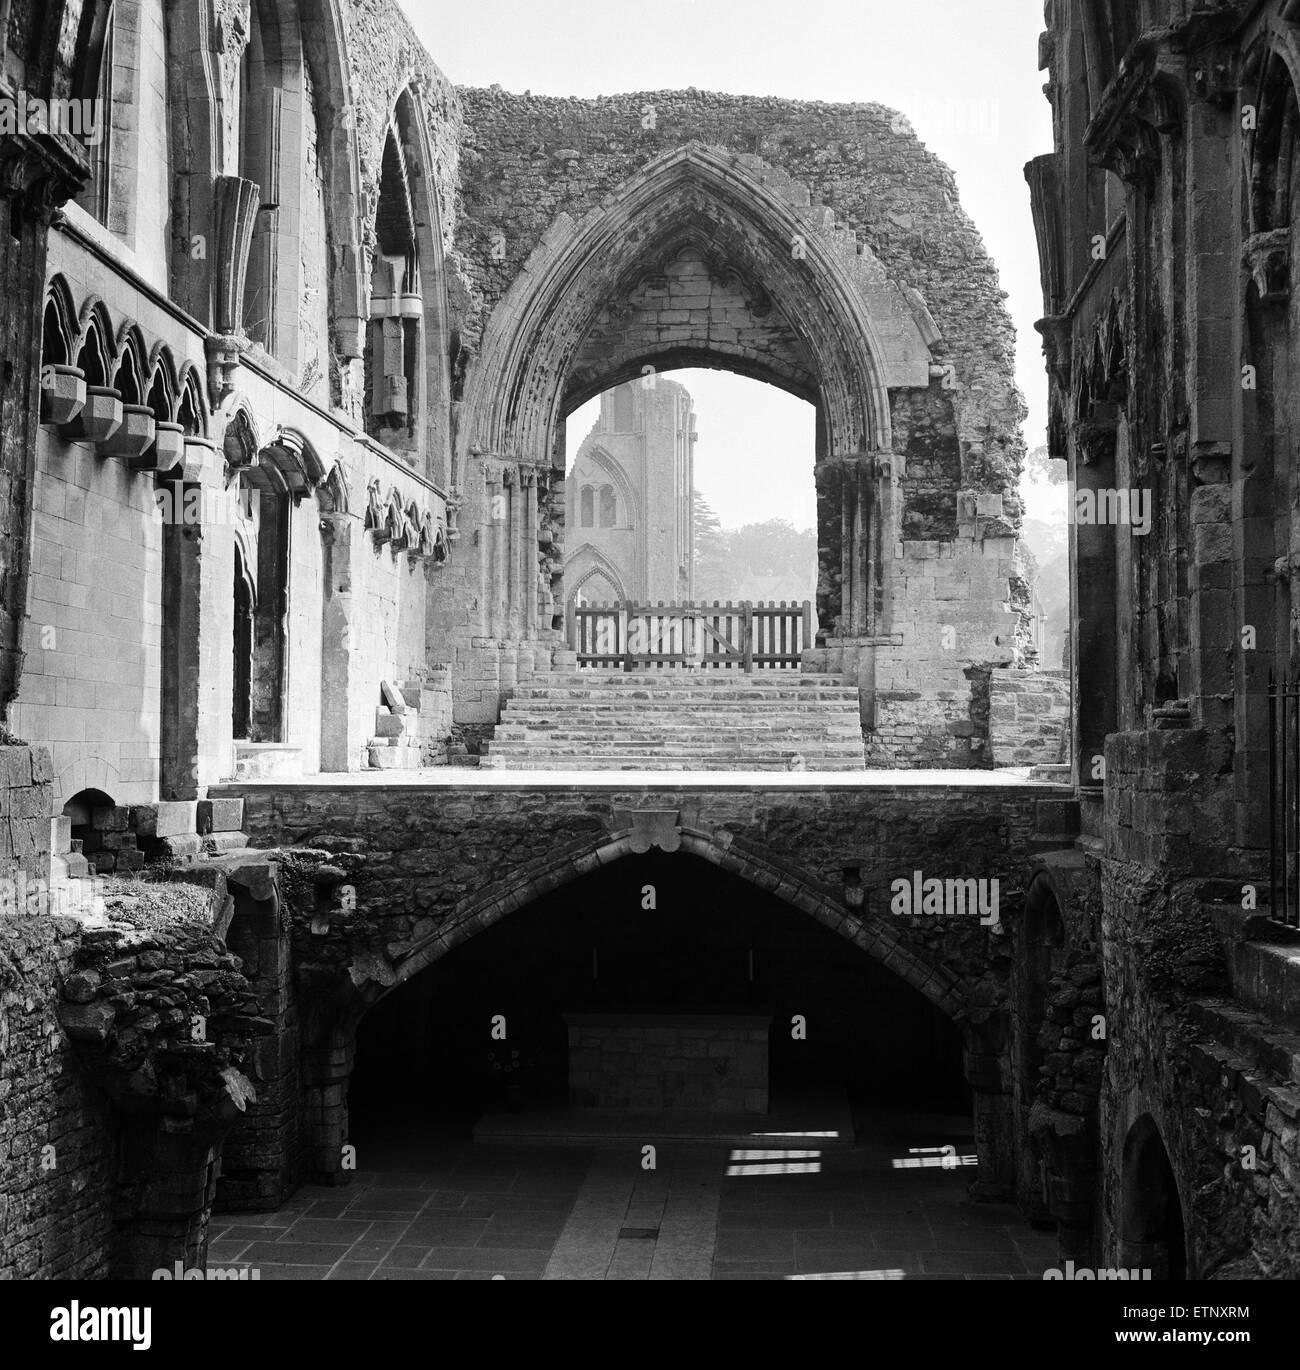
(727, 637)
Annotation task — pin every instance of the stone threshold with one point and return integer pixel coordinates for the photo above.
(476, 778)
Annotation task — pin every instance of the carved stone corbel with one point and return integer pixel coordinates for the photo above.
(1267, 256)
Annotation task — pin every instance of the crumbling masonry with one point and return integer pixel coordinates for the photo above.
(285, 364)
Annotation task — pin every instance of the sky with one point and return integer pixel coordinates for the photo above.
(964, 72)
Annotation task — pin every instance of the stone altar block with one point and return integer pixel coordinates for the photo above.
(699, 1062)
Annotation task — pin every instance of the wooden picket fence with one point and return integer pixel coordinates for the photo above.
(729, 637)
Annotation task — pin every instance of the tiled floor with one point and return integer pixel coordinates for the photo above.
(884, 1209)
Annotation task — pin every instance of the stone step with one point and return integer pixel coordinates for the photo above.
(609, 701)
(686, 741)
(698, 720)
(657, 763)
(688, 754)
(686, 680)
(680, 720)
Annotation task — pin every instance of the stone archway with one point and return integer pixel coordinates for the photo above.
(329, 1031)
(1152, 1234)
(775, 297)
(652, 830)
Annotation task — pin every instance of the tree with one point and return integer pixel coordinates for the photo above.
(774, 560)
(715, 577)
(1040, 469)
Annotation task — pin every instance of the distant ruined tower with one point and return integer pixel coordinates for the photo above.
(629, 498)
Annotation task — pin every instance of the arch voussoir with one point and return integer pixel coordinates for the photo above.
(877, 940)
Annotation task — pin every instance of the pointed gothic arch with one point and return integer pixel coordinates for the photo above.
(748, 230)
(587, 562)
(628, 497)
(484, 907)
(407, 350)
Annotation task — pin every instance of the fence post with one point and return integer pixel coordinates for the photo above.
(747, 610)
(807, 640)
(624, 622)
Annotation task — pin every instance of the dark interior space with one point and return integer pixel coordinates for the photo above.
(711, 943)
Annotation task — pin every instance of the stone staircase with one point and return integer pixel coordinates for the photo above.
(414, 715)
(680, 720)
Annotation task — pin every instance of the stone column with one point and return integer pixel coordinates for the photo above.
(260, 1154)
(994, 1111)
(340, 745)
(165, 1190)
(843, 519)
(1265, 535)
(515, 555)
(326, 1069)
(498, 537)
(197, 628)
(530, 568)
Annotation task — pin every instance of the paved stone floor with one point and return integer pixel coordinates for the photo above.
(430, 1208)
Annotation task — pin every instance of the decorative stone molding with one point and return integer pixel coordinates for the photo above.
(649, 828)
(100, 417)
(1136, 112)
(235, 205)
(41, 175)
(134, 435)
(1095, 441)
(1057, 351)
(168, 448)
(63, 393)
(1267, 256)
(455, 501)
(224, 352)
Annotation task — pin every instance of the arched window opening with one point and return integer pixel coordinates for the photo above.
(586, 507)
(272, 153)
(395, 347)
(94, 197)
(264, 506)
(54, 344)
(162, 396)
(90, 812)
(245, 604)
(259, 88)
(189, 412)
(93, 357)
(1044, 953)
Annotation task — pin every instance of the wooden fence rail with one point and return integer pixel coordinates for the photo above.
(729, 637)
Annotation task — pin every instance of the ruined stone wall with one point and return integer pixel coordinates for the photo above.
(56, 1218)
(956, 448)
(422, 856)
(528, 158)
(1029, 719)
(1215, 1080)
(55, 1206)
(314, 341)
(91, 682)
